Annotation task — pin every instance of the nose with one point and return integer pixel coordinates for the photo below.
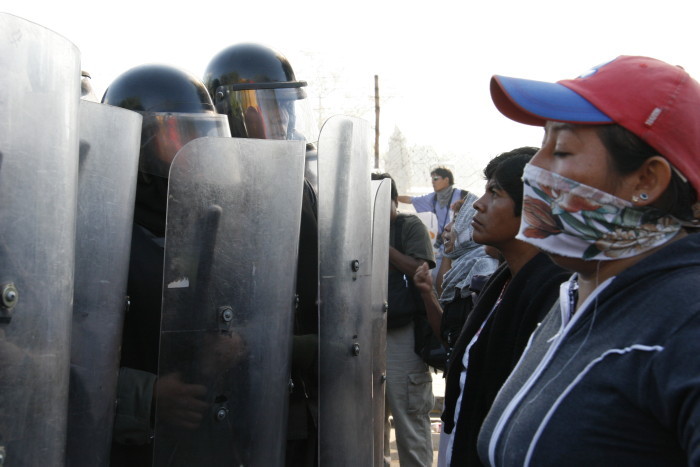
(479, 204)
(544, 155)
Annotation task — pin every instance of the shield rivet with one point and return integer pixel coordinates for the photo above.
(10, 295)
(221, 414)
(356, 349)
(355, 265)
(227, 314)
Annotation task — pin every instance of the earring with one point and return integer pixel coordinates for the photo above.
(642, 196)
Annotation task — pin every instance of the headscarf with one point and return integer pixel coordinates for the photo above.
(468, 258)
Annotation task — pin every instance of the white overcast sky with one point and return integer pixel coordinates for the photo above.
(434, 58)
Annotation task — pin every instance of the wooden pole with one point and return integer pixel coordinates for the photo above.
(376, 121)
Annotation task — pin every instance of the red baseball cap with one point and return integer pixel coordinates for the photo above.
(658, 102)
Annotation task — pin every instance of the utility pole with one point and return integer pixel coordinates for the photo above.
(376, 121)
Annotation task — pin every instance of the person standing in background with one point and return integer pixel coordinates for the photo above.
(440, 203)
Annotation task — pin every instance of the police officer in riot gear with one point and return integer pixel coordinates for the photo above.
(176, 109)
(256, 88)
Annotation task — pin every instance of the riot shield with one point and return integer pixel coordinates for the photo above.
(39, 96)
(381, 213)
(109, 152)
(231, 247)
(345, 328)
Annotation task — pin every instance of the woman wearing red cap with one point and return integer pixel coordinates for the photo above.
(611, 377)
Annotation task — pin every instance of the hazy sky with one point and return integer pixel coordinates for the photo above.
(434, 59)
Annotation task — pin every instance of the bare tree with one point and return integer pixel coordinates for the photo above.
(409, 165)
(334, 91)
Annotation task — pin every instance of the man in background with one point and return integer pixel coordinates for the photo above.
(439, 203)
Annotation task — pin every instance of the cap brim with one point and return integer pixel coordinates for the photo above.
(536, 102)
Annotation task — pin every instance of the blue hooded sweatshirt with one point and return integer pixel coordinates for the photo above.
(618, 383)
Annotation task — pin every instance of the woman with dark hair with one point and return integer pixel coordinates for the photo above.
(515, 298)
(611, 376)
(449, 302)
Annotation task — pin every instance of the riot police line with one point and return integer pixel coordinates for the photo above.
(152, 244)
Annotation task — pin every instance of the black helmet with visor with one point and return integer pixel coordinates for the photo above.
(256, 88)
(176, 109)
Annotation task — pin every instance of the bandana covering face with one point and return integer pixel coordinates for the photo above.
(567, 218)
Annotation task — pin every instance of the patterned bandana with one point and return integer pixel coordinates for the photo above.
(567, 218)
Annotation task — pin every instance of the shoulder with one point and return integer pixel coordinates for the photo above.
(542, 270)
(415, 238)
(539, 281)
(675, 264)
(664, 296)
(668, 279)
(409, 219)
(411, 224)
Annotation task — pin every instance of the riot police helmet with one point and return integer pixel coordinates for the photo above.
(256, 88)
(176, 109)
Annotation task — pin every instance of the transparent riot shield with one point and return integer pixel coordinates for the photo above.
(345, 328)
(381, 213)
(109, 153)
(39, 96)
(231, 247)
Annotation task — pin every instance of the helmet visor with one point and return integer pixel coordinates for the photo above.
(275, 113)
(164, 133)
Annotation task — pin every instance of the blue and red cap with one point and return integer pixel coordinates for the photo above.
(658, 102)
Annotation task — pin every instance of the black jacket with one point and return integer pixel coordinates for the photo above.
(526, 300)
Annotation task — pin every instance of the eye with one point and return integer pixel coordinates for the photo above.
(560, 154)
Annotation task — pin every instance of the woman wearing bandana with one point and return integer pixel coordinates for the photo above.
(612, 375)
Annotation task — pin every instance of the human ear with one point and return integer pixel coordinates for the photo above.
(651, 181)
